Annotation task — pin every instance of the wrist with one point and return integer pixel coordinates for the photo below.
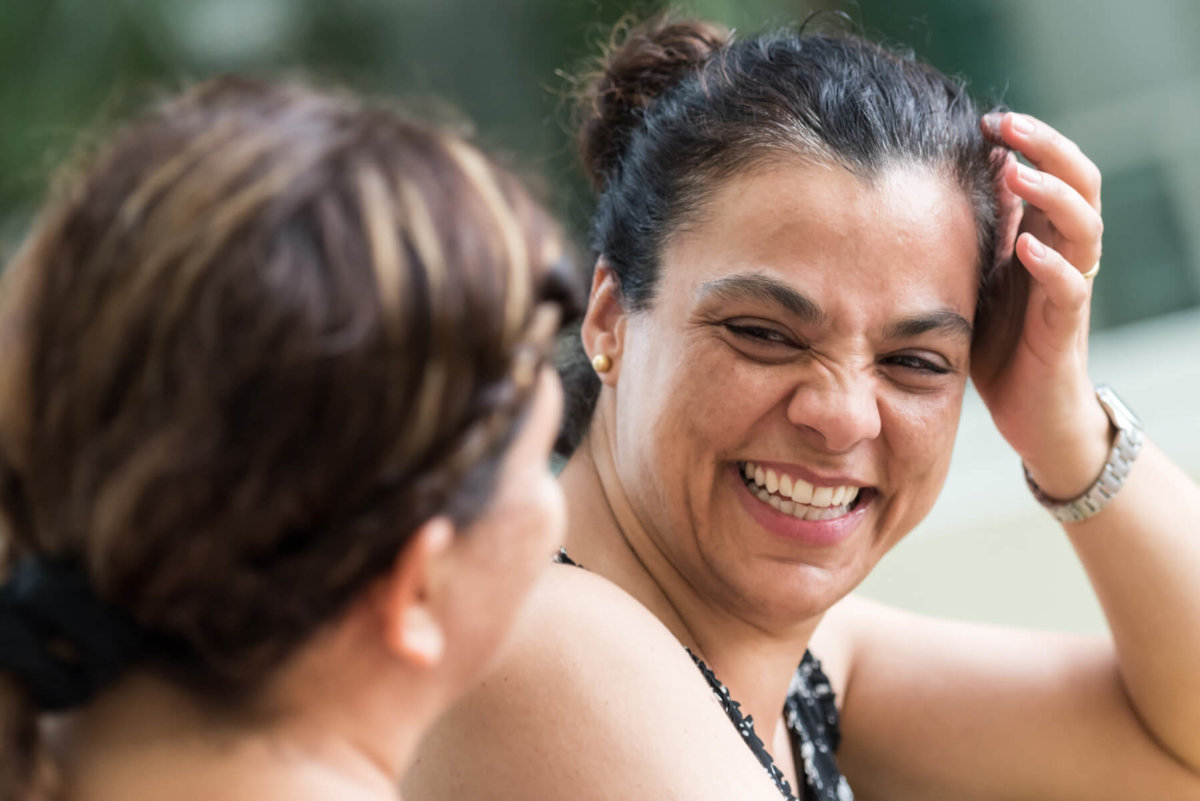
(1068, 465)
(1126, 443)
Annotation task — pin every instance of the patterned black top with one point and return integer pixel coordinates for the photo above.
(812, 719)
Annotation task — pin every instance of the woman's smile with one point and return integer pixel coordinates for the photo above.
(822, 500)
(792, 507)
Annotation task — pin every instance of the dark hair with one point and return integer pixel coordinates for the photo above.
(264, 337)
(680, 105)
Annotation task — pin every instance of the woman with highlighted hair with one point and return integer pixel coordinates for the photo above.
(275, 426)
(806, 245)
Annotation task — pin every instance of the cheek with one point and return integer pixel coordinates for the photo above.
(706, 400)
(510, 551)
(653, 398)
(553, 514)
(921, 432)
(742, 393)
(686, 409)
(519, 533)
(533, 527)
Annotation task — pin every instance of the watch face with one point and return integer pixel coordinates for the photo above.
(1120, 414)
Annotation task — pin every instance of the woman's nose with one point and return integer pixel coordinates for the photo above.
(836, 412)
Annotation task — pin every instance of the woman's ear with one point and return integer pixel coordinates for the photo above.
(603, 328)
(413, 632)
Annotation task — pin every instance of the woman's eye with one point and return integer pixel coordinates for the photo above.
(910, 362)
(759, 334)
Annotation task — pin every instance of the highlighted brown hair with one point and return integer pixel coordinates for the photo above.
(261, 339)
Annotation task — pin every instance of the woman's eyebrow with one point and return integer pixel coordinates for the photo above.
(763, 289)
(942, 320)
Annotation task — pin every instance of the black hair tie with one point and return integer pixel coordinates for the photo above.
(60, 640)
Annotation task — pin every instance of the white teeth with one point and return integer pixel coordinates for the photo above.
(797, 497)
(815, 513)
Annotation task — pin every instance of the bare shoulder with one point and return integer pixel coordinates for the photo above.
(591, 680)
(839, 636)
(573, 612)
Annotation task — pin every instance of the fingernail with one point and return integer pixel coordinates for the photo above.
(991, 125)
(1036, 248)
(1022, 125)
(1027, 175)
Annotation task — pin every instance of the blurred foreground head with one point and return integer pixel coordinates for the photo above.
(263, 339)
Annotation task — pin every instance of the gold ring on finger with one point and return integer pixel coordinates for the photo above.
(1090, 274)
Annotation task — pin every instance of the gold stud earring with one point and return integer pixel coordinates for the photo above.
(601, 363)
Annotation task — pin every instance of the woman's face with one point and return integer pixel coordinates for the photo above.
(501, 554)
(786, 409)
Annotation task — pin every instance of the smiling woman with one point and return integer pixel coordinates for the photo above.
(807, 245)
(763, 294)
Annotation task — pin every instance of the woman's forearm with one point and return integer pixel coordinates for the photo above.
(1142, 553)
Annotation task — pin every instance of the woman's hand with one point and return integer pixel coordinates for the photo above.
(1040, 395)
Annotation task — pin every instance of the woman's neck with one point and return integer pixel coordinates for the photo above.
(148, 738)
(605, 534)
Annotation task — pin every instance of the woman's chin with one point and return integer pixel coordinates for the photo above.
(777, 594)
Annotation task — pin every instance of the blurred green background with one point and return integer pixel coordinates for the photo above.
(1123, 82)
(1125, 85)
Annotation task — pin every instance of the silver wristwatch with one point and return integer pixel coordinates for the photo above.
(1125, 447)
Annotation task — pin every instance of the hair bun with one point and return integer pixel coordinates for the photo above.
(640, 63)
